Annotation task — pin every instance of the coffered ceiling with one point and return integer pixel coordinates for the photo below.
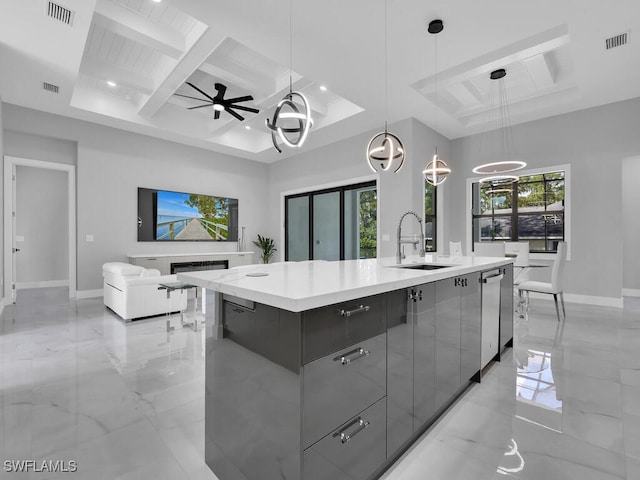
(121, 63)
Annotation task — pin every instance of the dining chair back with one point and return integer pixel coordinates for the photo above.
(488, 249)
(455, 248)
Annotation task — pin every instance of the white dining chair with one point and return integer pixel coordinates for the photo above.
(455, 248)
(521, 262)
(488, 249)
(554, 288)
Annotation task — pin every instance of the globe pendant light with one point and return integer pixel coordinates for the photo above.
(437, 169)
(385, 149)
(291, 119)
(504, 144)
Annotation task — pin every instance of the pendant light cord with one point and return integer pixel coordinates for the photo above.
(386, 81)
(290, 46)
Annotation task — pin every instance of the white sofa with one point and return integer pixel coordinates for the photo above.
(132, 291)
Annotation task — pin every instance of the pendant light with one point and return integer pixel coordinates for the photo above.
(437, 169)
(291, 119)
(385, 149)
(505, 163)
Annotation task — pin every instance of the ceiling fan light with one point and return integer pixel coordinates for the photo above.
(219, 107)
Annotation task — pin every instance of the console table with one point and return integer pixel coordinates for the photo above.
(164, 262)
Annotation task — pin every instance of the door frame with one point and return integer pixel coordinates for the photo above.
(10, 164)
(327, 186)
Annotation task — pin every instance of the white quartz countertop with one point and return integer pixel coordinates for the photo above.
(299, 286)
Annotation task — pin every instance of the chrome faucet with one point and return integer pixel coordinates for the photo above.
(400, 255)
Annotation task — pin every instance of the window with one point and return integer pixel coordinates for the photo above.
(430, 224)
(531, 209)
(332, 224)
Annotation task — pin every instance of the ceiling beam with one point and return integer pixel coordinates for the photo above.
(259, 85)
(539, 71)
(130, 25)
(184, 67)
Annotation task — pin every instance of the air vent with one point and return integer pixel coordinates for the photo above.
(50, 87)
(60, 13)
(617, 41)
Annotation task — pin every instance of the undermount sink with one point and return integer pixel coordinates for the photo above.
(423, 266)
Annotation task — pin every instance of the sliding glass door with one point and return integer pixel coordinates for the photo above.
(334, 224)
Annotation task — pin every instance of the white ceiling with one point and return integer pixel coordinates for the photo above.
(553, 50)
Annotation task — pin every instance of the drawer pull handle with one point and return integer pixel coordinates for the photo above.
(347, 358)
(360, 426)
(361, 308)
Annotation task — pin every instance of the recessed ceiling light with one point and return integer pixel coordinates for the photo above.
(323, 88)
(247, 127)
(157, 1)
(111, 83)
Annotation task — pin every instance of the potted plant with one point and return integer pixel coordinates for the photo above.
(267, 246)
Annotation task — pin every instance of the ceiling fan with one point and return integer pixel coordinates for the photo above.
(219, 103)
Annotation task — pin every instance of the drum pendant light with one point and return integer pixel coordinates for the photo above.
(385, 149)
(436, 170)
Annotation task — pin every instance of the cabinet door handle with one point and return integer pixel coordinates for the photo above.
(347, 358)
(360, 425)
(361, 308)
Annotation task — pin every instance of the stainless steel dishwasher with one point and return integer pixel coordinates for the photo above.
(490, 281)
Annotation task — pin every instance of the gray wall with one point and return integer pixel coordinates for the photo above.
(594, 142)
(345, 160)
(631, 224)
(2, 200)
(42, 222)
(112, 164)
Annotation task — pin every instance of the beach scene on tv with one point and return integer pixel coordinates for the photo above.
(188, 216)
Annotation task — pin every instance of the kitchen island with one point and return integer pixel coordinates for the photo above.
(331, 370)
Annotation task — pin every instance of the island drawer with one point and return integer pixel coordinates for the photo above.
(338, 386)
(353, 451)
(329, 329)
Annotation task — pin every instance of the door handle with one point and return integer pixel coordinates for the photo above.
(16, 250)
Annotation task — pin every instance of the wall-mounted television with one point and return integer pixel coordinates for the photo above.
(167, 216)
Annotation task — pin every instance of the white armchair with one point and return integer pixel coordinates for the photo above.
(132, 291)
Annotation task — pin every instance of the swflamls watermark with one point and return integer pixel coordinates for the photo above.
(52, 466)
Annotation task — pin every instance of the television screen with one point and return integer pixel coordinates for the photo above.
(178, 216)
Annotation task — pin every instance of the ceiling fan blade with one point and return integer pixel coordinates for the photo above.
(246, 98)
(216, 114)
(246, 109)
(201, 91)
(238, 116)
(200, 106)
(188, 96)
(221, 89)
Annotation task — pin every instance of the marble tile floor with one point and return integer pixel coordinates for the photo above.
(126, 401)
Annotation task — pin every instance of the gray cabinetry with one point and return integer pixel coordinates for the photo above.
(447, 340)
(411, 363)
(506, 307)
(457, 334)
(354, 451)
(470, 327)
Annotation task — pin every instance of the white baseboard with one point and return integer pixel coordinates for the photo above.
(42, 284)
(89, 293)
(585, 299)
(630, 292)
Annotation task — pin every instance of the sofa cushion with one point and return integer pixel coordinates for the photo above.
(123, 269)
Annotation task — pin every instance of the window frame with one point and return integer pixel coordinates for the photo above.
(524, 173)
